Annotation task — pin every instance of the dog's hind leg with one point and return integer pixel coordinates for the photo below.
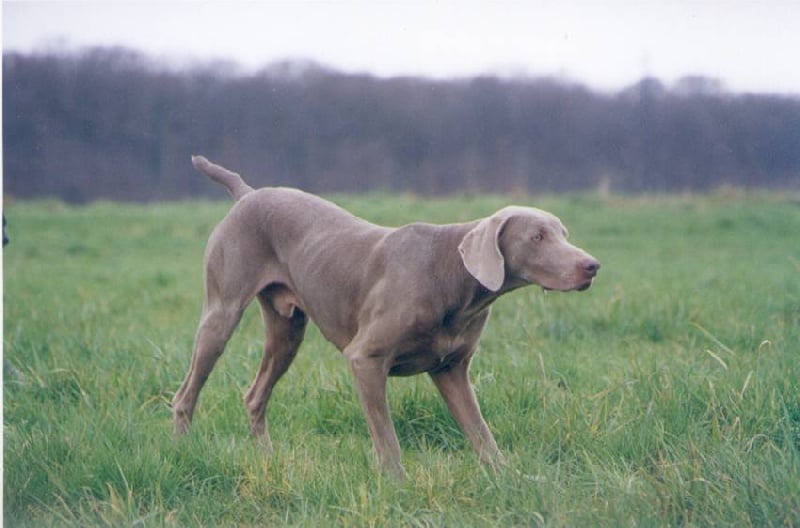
(215, 329)
(227, 295)
(284, 334)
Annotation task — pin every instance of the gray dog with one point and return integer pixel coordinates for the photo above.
(396, 302)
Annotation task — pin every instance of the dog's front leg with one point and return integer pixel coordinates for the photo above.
(371, 374)
(457, 392)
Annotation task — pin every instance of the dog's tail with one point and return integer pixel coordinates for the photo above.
(232, 181)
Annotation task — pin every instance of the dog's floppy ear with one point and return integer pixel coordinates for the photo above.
(480, 252)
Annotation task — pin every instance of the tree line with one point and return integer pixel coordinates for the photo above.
(111, 123)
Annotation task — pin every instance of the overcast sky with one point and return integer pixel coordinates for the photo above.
(607, 44)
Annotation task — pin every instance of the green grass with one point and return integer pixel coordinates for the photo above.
(668, 394)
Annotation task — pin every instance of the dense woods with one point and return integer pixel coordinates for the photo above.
(114, 124)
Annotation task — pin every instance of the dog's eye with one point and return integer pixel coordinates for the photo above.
(538, 237)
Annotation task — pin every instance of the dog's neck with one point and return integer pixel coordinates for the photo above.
(473, 297)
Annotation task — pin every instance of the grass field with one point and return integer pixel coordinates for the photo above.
(666, 395)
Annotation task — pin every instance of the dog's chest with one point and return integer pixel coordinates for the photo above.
(445, 344)
(437, 348)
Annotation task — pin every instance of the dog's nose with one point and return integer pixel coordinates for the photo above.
(590, 267)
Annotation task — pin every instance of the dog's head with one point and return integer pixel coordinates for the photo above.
(523, 245)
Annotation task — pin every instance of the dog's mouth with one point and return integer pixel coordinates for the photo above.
(580, 287)
(579, 279)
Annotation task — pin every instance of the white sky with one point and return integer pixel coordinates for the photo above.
(607, 44)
